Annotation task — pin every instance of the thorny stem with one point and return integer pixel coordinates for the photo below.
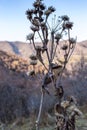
(57, 26)
(71, 52)
(56, 48)
(49, 26)
(44, 66)
(52, 45)
(40, 36)
(46, 49)
(54, 51)
(40, 109)
(34, 44)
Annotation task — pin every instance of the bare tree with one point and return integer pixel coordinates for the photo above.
(51, 36)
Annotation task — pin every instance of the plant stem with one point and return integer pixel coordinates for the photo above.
(40, 109)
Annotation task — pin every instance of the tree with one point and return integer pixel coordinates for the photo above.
(59, 53)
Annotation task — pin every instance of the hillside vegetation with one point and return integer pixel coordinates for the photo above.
(20, 93)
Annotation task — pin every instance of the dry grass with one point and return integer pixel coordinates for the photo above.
(29, 124)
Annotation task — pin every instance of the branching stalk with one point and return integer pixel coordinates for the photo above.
(40, 109)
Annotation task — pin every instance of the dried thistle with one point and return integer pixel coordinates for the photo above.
(72, 40)
(67, 25)
(58, 36)
(33, 28)
(38, 17)
(30, 36)
(33, 57)
(64, 47)
(65, 18)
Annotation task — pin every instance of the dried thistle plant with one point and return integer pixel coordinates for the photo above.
(66, 113)
(38, 17)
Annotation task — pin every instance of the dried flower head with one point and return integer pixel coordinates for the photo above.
(65, 18)
(34, 28)
(64, 47)
(40, 12)
(29, 12)
(35, 11)
(36, 4)
(38, 48)
(72, 40)
(42, 6)
(29, 17)
(58, 36)
(67, 25)
(49, 11)
(35, 22)
(51, 8)
(43, 24)
(41, 20)
(33, 57)
(30, 36)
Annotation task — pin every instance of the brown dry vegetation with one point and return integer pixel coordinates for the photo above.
(20, 93)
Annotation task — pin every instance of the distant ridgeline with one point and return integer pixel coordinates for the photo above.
(13, 62)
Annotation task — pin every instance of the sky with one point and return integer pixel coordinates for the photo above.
(14, 25)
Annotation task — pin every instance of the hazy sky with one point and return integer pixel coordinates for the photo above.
(14, 25)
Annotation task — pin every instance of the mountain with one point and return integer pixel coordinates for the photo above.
(19, 48)
(25, 49)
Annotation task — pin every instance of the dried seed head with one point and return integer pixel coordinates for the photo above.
(67, 25)
(29, 12)
(47, 12)
(36, 4)
(51, 8)
(30, 36)
(41, 19)
(33, 57)
(35, 22)
(64, 47)
(38, 48)
(72, 40)
(42, 6)
(65, 18)
(43, 24)
(29, 17)
(58, 36)
(40, 13)
(35, 11)
(33, 28)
